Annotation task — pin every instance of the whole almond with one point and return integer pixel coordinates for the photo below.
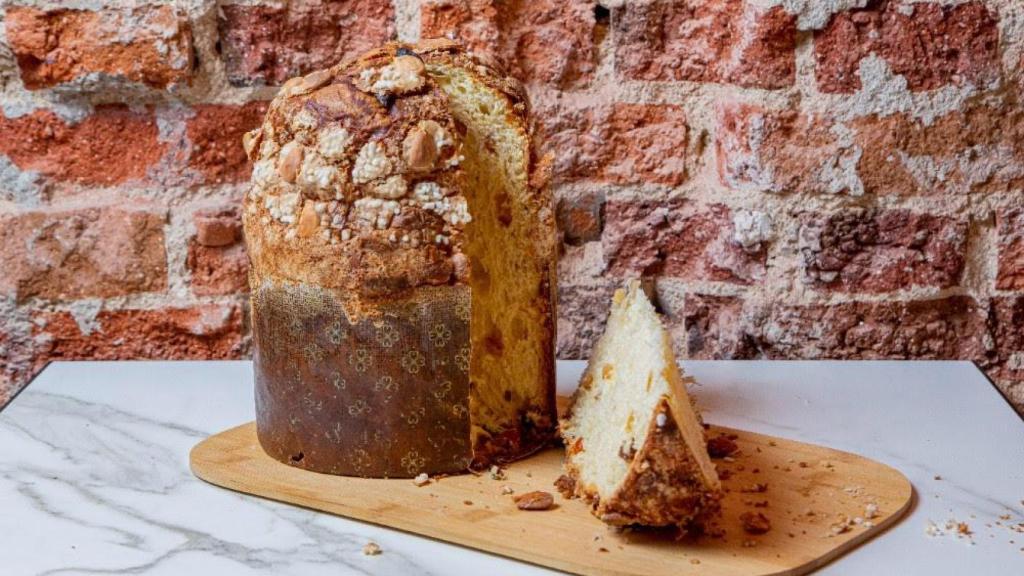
(536, 500)
(420, 150)
(251, 142)
(409, 64)
(308, 220)
(315, 80)
(291, 86)
(289, 162)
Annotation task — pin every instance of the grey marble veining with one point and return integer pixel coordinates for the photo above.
(94, 474)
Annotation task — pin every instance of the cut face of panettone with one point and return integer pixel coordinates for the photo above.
(635, 446)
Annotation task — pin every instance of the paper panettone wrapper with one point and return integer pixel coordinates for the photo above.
(381, 394)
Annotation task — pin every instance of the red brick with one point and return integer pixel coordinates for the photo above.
(16, 364)
(1007, 366)
(545, 41)
(779, 151)
(202, 332)
(733, 328)
(218, 271)
(149, 44)
(267, 44)
(933, 46)
(110, 146)
(674, 239)
(215, 133)
(979, 148)
(474, 23)
(724, 41)
(976, 149)
(582, 311)
(218, 226)
(1010, 230)
(868, 250)
(580, 216)
(619, 143)
(86, 252)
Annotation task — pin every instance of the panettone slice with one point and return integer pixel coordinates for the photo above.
(635, 446)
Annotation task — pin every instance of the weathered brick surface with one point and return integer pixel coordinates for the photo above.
(1008, 366)
(210, 331)
(545, 41)
(92, 252)
(1010, 231)
(580, 217)
(218, 271)
(781, 151)
(267, 44)
(785, 211)
(582, 310)
(110, 146)
(215, 133)
(474, 23)
(734, 328)
(674, 239)
(727, 41)
(879, 251)
(930, 44)
(216, 256)
(620, 143)
(218, 226)
(976, 149)
(151, 45)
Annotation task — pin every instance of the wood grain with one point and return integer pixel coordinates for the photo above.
(808, 489)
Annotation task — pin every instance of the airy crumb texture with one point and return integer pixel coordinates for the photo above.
(635, 445)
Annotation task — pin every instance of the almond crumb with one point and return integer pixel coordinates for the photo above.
(536, 500)
(755, 523)
(721, 446)
(372, 549)
(566, 486)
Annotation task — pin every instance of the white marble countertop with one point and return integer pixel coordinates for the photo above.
(94, 474)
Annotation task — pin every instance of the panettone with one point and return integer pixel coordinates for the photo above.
(402, 244)
(635, 446)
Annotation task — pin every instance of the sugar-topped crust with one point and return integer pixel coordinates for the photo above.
(357, 181)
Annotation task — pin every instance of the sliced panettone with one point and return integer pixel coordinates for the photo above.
(635, 446)
(403, 251)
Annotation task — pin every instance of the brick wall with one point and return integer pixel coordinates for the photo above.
(829, 179)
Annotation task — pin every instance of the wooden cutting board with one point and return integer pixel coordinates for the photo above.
(810, 494)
